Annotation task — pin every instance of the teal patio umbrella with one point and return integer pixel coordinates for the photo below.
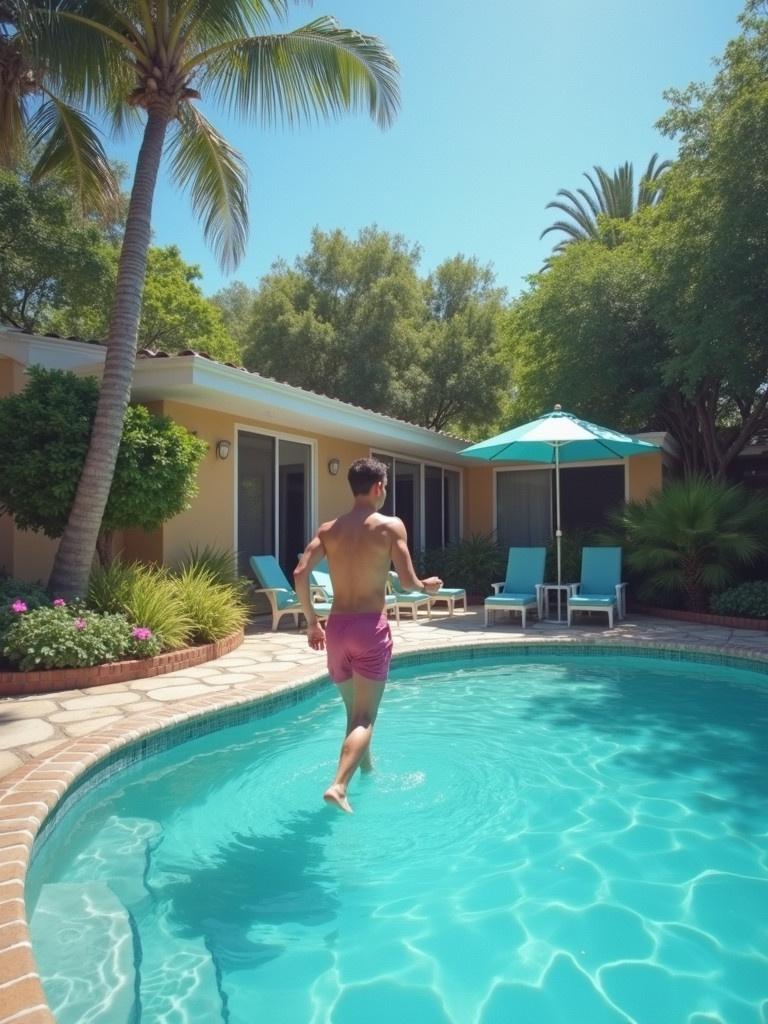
(554, 439)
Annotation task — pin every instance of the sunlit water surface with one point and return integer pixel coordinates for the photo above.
(554, 840)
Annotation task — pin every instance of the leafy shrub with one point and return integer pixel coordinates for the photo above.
(215, 609)
(221, 563)
(748, 599)
(146, 596)
(473, 563)
(690, 539)
(63, 638)
(155, 475)
(32, 595)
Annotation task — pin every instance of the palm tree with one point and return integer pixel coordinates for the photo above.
(690, 539)
(614, 198)
(151, 60)
(36, 117)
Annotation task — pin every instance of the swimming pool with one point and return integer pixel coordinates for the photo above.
(545, 839)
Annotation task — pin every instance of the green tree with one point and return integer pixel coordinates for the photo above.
(690, 539)
(613, 197)
(175, 315)
(155, 475)
(710, 248)
(345, 320)
(353, 320)
(584, 335)
(464, 374)
(236, 305)
(49, 257)
(146, 60)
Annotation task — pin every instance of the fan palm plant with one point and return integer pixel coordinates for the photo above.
(614, 198)
(150, 61)
(690, 539)
(36, 117)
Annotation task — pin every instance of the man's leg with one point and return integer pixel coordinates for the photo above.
(361, 699)
(347, 691)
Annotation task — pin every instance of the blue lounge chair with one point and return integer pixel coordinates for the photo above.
(600, 589)
(521, 588)
(282, 597)
(413, 599)
(320, 579)
(451, 595)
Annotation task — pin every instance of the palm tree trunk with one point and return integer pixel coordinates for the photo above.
(72, 565)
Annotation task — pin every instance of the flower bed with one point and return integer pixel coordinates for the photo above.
(17, 684)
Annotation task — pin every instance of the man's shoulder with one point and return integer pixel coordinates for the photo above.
(392, 524)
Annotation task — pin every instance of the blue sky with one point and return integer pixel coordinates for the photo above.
(503, 103)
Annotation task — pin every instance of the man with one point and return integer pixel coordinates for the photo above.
(359, 546)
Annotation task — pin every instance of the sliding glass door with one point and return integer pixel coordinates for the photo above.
(442, 504)
(427, 499)
(274, 490)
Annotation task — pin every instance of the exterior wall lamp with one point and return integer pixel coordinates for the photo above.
(333, 466)
(222, 449)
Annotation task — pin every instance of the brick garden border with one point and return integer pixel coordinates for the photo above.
(21, 684)
(703, 618)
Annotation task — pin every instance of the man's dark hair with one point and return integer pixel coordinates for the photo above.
(364, 473)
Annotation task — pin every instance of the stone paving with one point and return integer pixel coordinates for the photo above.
(34, 726)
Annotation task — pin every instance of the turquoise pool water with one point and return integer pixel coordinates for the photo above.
(565, 839)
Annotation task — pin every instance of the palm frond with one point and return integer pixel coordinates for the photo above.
(70, 146)
(215, 173)
(216, 21)
(89, 49)
(319, 70)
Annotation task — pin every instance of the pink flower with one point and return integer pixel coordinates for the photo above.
(141, 633)
(79, 624)
(59, 603)
(19, 606)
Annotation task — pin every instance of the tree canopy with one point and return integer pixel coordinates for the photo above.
(353, 320)
(668, 328)
(49, 256)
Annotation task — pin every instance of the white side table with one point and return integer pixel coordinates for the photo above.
(563, 591)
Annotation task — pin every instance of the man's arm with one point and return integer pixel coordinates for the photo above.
(313, 553)
(401, 558)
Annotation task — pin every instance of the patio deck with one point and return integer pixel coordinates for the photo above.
(47, 741)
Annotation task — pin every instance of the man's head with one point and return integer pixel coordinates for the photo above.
(368, 478)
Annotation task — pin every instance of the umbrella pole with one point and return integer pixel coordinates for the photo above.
(558, 531)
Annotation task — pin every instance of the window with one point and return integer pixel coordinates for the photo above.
(525, 502)
(273, 498)
(442, 502)
(427, 498)
(523, 507)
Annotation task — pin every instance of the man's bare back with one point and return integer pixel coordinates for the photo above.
(359, 549)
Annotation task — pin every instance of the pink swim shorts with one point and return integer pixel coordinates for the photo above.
(358, 644)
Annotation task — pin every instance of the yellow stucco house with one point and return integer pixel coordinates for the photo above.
(277, 459)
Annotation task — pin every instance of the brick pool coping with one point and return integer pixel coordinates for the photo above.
(29, 793)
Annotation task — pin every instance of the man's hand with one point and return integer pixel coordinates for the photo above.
(316, 636)
(432, 585)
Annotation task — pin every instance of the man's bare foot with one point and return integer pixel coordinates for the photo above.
(335, 795)
(366, 764)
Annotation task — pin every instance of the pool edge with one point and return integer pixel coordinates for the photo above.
(31, 793)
